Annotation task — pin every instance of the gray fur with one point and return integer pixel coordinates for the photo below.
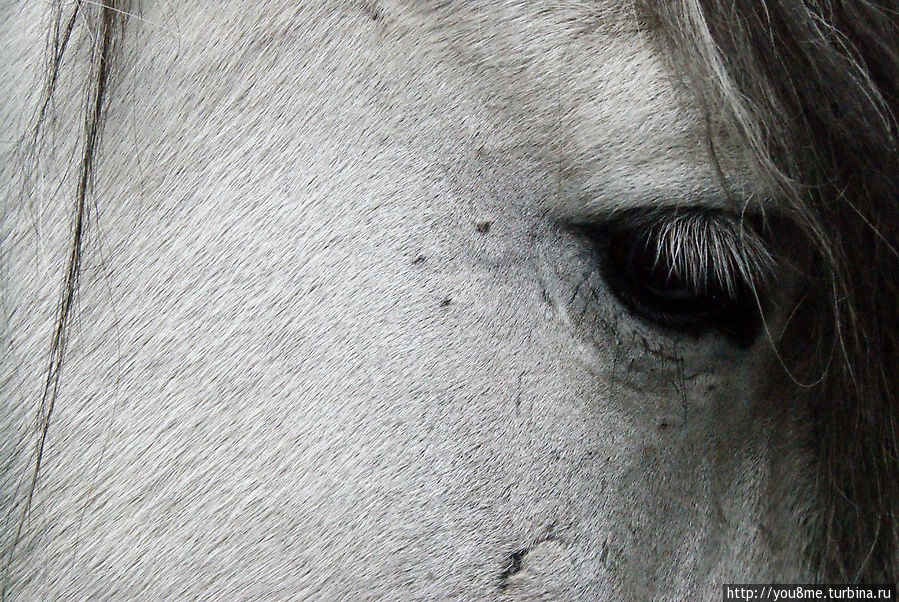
(299, 367)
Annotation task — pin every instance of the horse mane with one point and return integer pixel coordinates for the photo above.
(96, 39)
(812, 90)
(101, 22)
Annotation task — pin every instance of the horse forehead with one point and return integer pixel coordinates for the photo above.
(588, 88)
(579, 89)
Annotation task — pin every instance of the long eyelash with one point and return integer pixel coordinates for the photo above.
(703, 248)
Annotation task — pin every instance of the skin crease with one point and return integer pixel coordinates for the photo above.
(300, 370)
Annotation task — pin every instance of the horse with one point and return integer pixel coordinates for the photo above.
(359, 299)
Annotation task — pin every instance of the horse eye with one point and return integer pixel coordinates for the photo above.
(668, 292)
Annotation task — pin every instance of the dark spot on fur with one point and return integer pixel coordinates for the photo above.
(418, 260)
(446, 302)
(518, 393)
(372, 9)
(512, 566)
(483, 227)
(545, 295)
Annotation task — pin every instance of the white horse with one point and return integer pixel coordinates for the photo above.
(446, 300)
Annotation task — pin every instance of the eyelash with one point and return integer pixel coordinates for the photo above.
(641, 275)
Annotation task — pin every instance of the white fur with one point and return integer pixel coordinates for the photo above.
(266, 394)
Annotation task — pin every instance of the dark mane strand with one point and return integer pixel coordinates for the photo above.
(98, 25)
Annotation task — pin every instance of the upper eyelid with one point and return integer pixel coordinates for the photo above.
(701, 242)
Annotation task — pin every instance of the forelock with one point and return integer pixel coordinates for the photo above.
(812, 90)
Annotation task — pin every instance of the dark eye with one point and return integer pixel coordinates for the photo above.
(685, 274)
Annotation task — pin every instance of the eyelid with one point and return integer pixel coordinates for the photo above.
(701, 244)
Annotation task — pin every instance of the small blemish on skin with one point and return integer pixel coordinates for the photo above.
(373, 11)
(513, 566)
(546, 298)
